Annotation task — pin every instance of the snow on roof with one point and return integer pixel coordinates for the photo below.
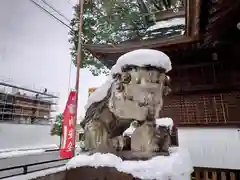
(99, 94)
(175, 167)
(143, 57)
(168, 122)
(167, 24)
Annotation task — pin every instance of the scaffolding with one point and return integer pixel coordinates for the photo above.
(26, 105)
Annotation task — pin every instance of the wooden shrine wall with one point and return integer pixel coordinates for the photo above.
(206, 94)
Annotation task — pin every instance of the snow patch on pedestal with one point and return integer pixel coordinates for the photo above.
(177, 166)
(167, 122)
(129, 131)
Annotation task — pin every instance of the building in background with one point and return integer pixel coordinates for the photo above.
(34, 53)
(34, 47)
(26, 106)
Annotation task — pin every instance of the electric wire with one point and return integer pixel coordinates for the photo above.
(56, 18)
(57, 11)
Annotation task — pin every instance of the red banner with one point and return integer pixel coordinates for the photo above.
(68, 131)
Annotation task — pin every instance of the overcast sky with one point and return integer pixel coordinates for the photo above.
(34, 49)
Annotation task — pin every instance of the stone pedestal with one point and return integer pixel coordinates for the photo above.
(100, 173)
(98, 166)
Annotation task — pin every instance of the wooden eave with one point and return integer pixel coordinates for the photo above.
(150, 43)
(208, 24)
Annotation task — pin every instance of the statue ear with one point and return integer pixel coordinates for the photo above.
(166, 90)
(167, 81)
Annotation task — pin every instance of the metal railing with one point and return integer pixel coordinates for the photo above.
(17, 170)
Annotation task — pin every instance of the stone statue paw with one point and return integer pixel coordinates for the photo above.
(156, 149)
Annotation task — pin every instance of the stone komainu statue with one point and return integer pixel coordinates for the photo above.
(134, 93)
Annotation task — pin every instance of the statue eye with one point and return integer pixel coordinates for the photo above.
(126, 77)
(119, 87)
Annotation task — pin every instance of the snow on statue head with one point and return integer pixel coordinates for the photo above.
(134, 92)
(139, 84)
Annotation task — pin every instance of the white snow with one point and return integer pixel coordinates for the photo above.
(238, 25)
(129, 131)
(143, 57)
(177, 166)
(20, 153)
(44, 147)
(140, 58)
(38, 174)
(168, 122)
(99, 94)
(116, 69)
(167, 24)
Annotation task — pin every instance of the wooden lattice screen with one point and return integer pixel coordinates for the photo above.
(204, 95)
(203, 109)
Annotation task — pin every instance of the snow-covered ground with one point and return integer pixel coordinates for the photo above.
(212, 147)
(22, 136)
(20, 153)
(28, 148)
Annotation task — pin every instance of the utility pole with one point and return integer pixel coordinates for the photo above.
(78, 64)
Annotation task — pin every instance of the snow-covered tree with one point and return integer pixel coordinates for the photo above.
(57, 126)
(111, 22)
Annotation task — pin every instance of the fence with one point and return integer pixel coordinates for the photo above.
(16, 170)
(215, 174)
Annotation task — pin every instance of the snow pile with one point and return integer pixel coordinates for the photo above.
(177, 166)
(39, 147)
(167, 24)
(129, 131)
(37, 174)
(95, 160)
(20, 153)
(99, 94)
(143, 57)
(167, 122)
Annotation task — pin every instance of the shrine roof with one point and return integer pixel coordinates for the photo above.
(209, 24)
